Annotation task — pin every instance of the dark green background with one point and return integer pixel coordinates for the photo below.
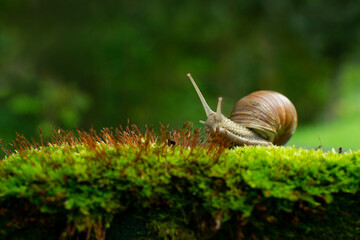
(99, 63)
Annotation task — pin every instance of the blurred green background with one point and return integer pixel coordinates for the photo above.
(67, 64)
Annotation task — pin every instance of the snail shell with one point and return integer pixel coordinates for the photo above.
(269, 113)
(260, 118)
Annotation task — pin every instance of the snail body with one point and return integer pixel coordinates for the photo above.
(260, 118)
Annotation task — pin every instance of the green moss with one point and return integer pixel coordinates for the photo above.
(91, 186)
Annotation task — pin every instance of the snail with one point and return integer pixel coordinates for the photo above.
(260, 118)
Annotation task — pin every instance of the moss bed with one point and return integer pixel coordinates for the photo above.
(122, 184)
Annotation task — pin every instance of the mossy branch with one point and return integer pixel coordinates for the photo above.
(181, 186)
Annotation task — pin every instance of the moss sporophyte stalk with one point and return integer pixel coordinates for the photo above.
(128, 184)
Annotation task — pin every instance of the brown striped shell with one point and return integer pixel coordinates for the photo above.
(269, 113)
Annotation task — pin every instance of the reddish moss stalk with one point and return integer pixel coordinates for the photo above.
(130, 135)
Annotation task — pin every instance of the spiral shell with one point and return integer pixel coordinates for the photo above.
(268, 113)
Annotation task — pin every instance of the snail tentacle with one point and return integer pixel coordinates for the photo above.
(218, 110)
(207, 109)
